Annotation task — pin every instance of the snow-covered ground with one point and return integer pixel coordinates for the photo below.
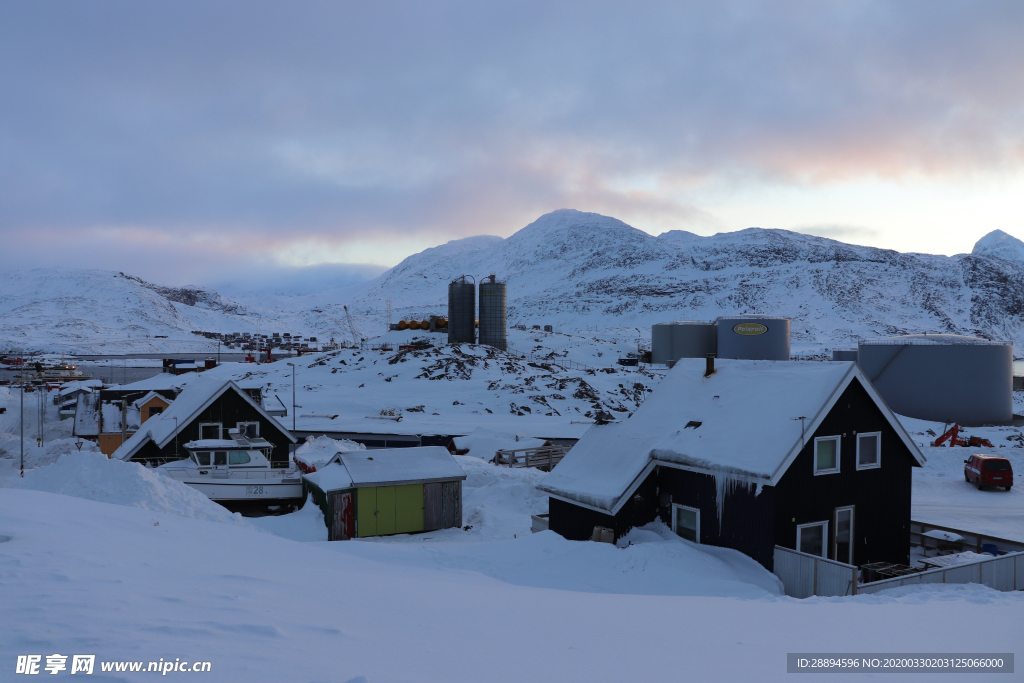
(150, 578)
(941, 496)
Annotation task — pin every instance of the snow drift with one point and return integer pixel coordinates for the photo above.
(95, 477)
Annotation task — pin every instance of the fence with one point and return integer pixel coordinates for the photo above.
(804, 575)
(543, 458)
(1003, 573)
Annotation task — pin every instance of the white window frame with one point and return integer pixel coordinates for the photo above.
(250, 422)
(878, 452)
(685, 507)
(824, 536)
(218, 425)
(839, 443)
(835, 540)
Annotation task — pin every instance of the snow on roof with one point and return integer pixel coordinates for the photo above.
(742, 422)
(194, 398)
(215, 443)
(387, 466)
(149, 397)
(484, 443)
(317, 451)
(932, 340)
(79, 385)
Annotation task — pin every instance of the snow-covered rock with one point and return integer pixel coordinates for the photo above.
(997, 244)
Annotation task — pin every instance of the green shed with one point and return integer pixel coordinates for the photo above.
(388, 491)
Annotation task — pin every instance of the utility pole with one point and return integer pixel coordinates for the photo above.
(124, 420)
(293, 403)
(23, 425)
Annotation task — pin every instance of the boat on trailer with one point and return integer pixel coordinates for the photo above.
(236, 473)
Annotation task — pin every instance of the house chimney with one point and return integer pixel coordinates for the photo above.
(710, 368)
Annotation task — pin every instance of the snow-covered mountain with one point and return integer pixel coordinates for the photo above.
(56, 309)
(585, 271)
(581, 272)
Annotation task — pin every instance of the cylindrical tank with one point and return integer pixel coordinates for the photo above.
(403, 324)
(941, 377)
(462, 310)
(682, 339)
(424, 324)
(844, 354)
(753, 337)
(493, 299)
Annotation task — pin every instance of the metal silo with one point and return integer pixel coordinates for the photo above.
(682, 339)
(462, 310)
(941, 377)
(753, 337)
(493, 299)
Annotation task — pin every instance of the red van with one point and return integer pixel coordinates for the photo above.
(988, 470)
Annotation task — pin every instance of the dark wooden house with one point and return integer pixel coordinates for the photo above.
(804, 455)
(205, 409)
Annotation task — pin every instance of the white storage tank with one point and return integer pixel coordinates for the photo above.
(941, 377)
(682, 339)
(753, 337)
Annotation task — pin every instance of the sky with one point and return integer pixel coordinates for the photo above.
(206, 142)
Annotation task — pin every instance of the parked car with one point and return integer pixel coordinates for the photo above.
(988, 470)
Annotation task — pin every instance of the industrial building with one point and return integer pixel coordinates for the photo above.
(462, 310)
(388, 491)
(741, 337)
(749, 455)
(493, 305)
(941, 377)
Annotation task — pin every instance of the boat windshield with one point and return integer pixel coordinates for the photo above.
(202, 459)
(239, 458)
(220, 458)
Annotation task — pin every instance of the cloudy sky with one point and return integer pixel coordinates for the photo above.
(192, 141)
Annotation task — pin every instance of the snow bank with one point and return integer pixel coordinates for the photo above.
(95, 477)
(317, 450)
(484, 443)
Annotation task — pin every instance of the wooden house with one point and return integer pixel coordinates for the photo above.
(749, 455)
(205, 409)
(388, 491)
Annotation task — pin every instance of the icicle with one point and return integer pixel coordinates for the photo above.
(726, 485)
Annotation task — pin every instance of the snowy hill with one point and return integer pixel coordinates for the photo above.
(581, 272)
(92, 310)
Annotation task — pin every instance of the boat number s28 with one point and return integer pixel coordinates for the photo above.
(254, 490)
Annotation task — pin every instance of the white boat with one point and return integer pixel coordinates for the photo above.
(236, 472)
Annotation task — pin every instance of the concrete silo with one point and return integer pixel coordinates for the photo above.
(682, 339)
(753, 337)
(462, 310)
(493, 299)
(941, 377)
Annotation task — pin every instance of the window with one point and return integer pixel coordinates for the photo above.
(810, 538)
(239, 458)
(249, 429)
(686, 522)
(826, 455)
(209, 431)
(220, 458)
(869, 454)
(203, 459)
(843, 549)
(996, 466)
(155, 410)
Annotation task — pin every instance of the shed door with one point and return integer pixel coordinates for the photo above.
(343, 526)
(451, 503)
(408, 508)
(385, 510)
(366, 511)
(432, 516)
